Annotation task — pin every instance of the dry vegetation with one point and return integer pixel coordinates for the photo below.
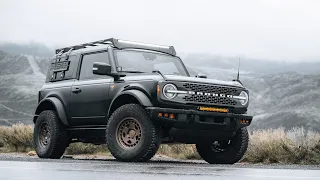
(17, 138)
(297, 146)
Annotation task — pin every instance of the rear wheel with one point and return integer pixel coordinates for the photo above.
(225, 152)
(131, 135)
(50, 136)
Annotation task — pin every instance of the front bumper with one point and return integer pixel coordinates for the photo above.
(199, 120)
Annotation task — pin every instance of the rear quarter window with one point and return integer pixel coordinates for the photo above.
(63, 69)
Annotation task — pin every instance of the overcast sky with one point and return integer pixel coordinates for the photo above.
(270, 29)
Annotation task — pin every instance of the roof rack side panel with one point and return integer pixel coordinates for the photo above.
(122, 44)
(81, 46)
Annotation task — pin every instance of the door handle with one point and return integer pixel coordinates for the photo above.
(76, 90)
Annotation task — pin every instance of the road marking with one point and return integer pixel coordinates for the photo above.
(6, 107)
(34, 66)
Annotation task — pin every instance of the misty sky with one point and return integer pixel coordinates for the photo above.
(269, 29)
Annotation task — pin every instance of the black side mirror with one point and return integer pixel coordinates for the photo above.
(101, 68)
(201, 76)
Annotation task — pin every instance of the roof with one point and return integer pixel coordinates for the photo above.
(120, 44)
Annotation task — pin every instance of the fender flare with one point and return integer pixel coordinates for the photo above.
(57, 104)
(143, 99)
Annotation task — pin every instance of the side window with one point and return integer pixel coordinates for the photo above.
(63, 69)
(72, 72)
(87, 63)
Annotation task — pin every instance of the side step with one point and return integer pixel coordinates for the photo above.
(95, 135)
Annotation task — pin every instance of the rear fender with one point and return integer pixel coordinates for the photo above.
(57, 106)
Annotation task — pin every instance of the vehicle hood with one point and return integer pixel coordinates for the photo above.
(157, 77)
(203, 80)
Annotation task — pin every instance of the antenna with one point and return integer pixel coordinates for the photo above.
(238, 71)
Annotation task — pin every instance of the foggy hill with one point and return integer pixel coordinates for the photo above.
(20, 79)
(281, 94)
(251, 65)
(32, 48)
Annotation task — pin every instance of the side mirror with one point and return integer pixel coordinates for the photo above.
(101, 68)
(201, 76)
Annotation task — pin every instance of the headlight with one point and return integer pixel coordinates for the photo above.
(244, 98)
(166, 91)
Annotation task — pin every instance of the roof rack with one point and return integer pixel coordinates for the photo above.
(81, 46)
(120, 44)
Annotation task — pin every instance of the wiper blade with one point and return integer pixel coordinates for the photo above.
(133, 71)
(157, 71)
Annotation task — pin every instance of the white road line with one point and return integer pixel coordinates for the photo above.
(5, 120)
(34, 66)
(15, 110)
(25, 100)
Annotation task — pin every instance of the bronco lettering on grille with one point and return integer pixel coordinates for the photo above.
(210, 94)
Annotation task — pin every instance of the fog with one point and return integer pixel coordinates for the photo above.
(281, 30)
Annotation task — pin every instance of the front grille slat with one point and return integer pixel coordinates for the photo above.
(210, 88)
(209, 99)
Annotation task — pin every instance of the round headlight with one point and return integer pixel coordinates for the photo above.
(244, 98)
(169, 94)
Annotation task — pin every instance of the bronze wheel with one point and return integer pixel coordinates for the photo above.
(131, 135)
(129, 132)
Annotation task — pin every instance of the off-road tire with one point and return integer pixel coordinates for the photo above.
(58, 136)
(232, 154)
(149, 142)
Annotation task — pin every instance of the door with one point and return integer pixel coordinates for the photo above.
(90, 93)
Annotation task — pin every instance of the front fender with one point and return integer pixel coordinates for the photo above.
(143, 99)
(58, 107)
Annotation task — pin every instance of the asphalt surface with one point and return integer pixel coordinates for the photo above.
(25, 168)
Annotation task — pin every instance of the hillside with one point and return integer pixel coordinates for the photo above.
(281, 99)
(286, 99)
(20, 79)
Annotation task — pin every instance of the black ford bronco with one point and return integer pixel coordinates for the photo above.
(133, 97)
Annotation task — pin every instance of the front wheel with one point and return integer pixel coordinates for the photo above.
(225, 152)
(131, 135)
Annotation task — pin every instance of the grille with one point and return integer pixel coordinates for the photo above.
(210, 88)
(210, 100)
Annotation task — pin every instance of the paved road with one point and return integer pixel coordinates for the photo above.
(33, 169)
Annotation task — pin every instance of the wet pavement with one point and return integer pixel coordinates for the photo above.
(85, 170)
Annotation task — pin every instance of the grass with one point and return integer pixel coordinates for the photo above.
(296, 146)
(17, 138)
(84, 148)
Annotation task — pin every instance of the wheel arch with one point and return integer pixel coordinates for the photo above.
(52, 103)
(129, 96)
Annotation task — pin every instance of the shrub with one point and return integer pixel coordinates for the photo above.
(296, 146)
(17, 138)
(179, 151)
(82, 148)
(1, 143)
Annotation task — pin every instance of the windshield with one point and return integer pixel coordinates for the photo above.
(140, 61)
